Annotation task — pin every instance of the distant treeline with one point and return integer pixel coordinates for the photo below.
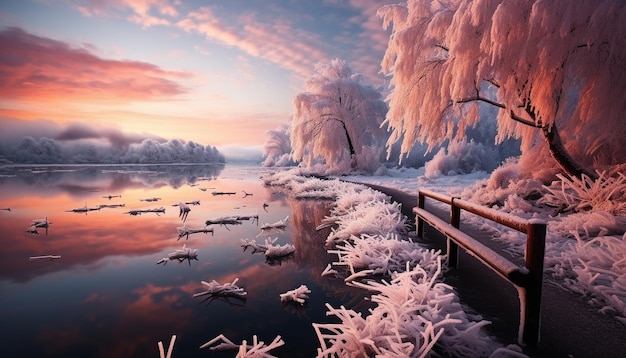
(50, 151)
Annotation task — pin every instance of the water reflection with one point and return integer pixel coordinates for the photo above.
(79, 181)
(311, 253)
(107, 296)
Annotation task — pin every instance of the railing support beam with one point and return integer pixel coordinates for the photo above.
(534, 257)
(528, 280)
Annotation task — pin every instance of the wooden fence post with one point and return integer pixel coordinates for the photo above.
(453, 248)
(420, 222)
(534, 257)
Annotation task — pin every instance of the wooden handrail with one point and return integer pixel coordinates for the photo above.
(528, 278)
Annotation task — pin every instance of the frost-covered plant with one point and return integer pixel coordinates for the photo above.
(186, 231)
(258, 349)
(589, 224)
(276, 251)
(461, 157)
(336, 121)
(214, 288)
(414, 315)
(595, 268)
(359, 209)
(256, 247)
(316, 188)
(181, 255)
(284, 178)
(299, 295)
(550, 67)
(383, 255)
(277, 147)
(606, 193)
(280, 224)
(502, 176)
(271, 250)
(371, 217)
(353, 194)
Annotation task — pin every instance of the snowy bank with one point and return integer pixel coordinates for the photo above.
(414, 314)
(586, 239)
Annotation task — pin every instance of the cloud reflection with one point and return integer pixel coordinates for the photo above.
(82, 181)
(85, 239)
(110, 296)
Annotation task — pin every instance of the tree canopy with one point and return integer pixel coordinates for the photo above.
(336, 121)
(554, 68)
(277, 147)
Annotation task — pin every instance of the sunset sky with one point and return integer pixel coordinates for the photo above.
(216, 72)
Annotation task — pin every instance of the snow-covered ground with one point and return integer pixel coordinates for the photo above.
(415, 313)
(585, 253)
(585, 250)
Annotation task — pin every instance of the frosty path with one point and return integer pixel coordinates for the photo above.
(569, 326)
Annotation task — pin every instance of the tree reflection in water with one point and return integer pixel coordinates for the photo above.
(311, 252)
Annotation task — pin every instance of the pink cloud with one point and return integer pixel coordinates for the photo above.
(278, 42)
(281, 42)
(44, 69)
(144, 12)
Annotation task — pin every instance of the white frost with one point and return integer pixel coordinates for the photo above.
(299, 295)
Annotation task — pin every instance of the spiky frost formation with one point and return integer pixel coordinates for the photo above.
(384, 254)
(413, 316)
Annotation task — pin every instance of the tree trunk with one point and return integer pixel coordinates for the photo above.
(350, 146)
(550, 134)
(562, 157)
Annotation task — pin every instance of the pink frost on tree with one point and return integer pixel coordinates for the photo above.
(277, 147)
(337, 120)
(556, 69)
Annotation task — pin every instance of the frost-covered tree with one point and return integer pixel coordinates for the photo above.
(337, 120)
(277, 147)
(555, 69)
(42, 151)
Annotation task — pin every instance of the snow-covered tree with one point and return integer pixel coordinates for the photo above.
(337, 120)
(555, 69)
(277, 147)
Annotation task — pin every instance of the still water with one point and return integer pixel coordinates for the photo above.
(107, 296)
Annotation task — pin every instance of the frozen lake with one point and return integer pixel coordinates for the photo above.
(107, 296)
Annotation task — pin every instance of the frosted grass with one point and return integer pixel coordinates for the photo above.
(415, 314)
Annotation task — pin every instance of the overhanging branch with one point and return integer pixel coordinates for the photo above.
(514, 116)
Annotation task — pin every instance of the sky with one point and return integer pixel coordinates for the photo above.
(218, 73)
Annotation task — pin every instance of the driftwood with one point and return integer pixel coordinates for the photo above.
(180, 255)
(150, 199)
(111, 206)
(38, 223)
(136, 212)
(84, 209)
(215, 193)
(227, 220)
(272, 252)
(219, 291)
(280, 224)
(186, 231)
(184, 210)
(257, 349)
(45, 257)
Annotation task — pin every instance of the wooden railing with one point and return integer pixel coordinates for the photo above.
(528, 279)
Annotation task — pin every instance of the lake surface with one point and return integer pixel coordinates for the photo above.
(107, 296)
